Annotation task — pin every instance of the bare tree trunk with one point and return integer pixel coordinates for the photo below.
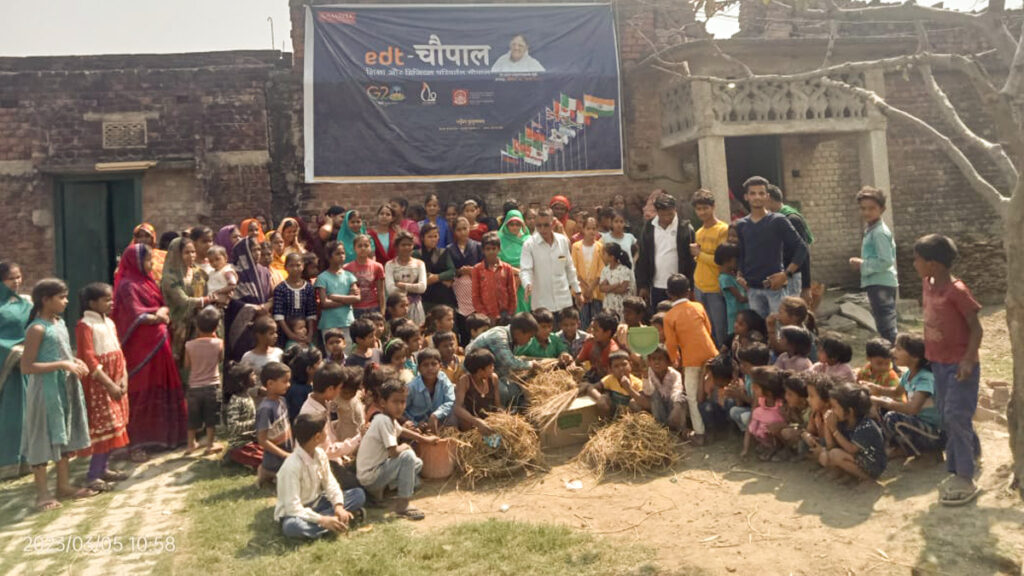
(1015, 322)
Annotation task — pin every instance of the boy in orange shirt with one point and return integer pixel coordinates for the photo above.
(690, 346)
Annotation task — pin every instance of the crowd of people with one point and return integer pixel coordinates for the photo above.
(327, 352)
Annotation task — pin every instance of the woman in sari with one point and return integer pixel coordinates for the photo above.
(158, 414)
(513, 233)
(14, 312)
(440, 268)
(184, 291)
(276, 265)
(145, 233)
(289, 232)
(350, 228)
(309, 239)
(252, 228)
(251, 295)
(227, 237)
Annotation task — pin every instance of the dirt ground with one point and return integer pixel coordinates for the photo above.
(711, 514)
(724, 515)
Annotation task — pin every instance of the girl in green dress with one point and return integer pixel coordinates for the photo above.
(56, 424)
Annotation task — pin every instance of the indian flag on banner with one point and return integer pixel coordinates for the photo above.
(512, 151)
(598, 107)
(566, 105)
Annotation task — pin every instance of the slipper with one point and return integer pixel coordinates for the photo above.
(215, 449)
(411, 513)
(114, 476)
(79, 494)
(50, 504)
(959, 497)
(98, 485)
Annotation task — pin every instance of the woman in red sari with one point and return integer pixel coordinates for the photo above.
(155, 395)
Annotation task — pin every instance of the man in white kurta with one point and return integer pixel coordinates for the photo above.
(545, 268)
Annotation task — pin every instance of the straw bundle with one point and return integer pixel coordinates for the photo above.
(519, 448)
(635, 443)
(550, 393)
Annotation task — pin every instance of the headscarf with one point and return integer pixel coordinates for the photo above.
(347, 237)
(253, 278)
(276, 262)
(223, 237)
(14, 313)
(295, 246)
(137, 293)
(174, 266)
(512, 245)
(247, 226)
(148, 228)
(560, 200)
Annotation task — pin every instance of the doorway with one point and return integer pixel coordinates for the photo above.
(94, 218)
(747, 156)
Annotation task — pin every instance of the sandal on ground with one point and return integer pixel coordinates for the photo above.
(49, 504)
(114, 476)
(410, 513)
(959, 497)
(79, 494)
(213, 449)
(99, 485)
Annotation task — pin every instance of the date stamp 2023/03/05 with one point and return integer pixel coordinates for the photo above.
(97, 544)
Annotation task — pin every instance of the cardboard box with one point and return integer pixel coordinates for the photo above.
(572, 426)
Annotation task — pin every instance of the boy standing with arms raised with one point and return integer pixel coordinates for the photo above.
(952, 336)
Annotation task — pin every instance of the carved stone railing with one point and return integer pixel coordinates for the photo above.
(695, 108)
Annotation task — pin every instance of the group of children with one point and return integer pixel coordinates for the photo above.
(348, 372)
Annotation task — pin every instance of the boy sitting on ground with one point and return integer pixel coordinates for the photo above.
(310, 503)
(544, 344)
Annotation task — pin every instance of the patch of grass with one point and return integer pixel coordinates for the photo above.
(232, 531)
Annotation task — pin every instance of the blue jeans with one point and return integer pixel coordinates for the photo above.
(401, 472)
(588, 311)
(740, 415)
(714, 305)
(883, 308)
(794, 285)
(764, 301)
(295, 527)
(956, 402)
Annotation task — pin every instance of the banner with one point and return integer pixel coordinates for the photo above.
(456, 92)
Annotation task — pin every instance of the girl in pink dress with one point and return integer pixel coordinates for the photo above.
(106, 385)
(767, 415)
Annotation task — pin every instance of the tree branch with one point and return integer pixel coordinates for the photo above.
(949, 113)
(977, 182)
(833, 31)
(991, 23)
(736, 61)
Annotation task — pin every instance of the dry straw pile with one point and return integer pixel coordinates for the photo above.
(635, 443)
(550, 393)
(519, 449)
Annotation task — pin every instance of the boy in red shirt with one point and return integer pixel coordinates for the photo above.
(952, 336)
(494, 284)
(690, 346)
(597, 348)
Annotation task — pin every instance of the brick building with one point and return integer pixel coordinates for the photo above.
(89, 145)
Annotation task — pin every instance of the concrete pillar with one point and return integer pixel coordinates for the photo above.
(714, 175)
(873, 151)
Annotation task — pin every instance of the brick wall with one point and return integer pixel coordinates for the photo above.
(829, 175)
(207, 124)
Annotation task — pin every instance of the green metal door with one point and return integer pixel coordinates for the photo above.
(95, 224)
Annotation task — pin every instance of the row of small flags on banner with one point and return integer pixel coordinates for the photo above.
(564, 120)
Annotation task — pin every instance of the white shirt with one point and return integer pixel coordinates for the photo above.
(302, 479)
(548, 268)
(666, 252)
(373, 450)
(525, 64)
